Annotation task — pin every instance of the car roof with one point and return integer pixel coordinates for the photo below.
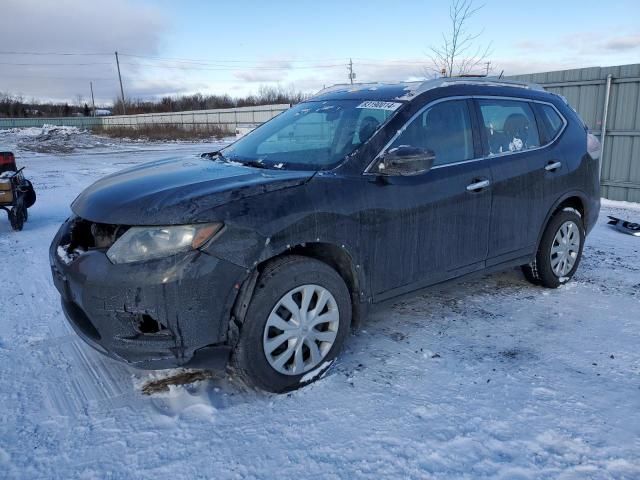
(406, 91)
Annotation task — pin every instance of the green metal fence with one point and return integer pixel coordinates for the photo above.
(608, 99)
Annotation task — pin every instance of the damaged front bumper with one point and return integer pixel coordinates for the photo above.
(162, 313)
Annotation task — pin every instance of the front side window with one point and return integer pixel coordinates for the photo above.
(312, 135)
(510, 126)
(444, 128)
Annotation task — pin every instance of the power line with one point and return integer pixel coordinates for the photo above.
(213, 62)
(174, 59)
(52, 53)
(72, 77)
(54, 64)
(178, 67)
(223, 63)
(157, 62)
(210, 61)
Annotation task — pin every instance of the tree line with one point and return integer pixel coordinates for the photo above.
(16, 106)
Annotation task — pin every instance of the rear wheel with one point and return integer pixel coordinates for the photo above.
(17, 217)
(295, 326)
(560, 250)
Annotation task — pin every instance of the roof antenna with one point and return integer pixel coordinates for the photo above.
(501, 73)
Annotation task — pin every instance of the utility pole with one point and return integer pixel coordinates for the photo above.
(93, 102)
(488, 67)
(351, 74)
(124, 108)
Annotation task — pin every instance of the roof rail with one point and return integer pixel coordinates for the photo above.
(497, 81)
(360, 86)
(411, 89)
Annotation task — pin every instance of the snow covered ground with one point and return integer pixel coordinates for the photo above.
(492, 378)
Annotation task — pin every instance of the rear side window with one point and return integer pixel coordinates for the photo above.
(553, 121)
(510, 126)
(444, 128)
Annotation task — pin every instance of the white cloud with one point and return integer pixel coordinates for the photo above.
(260, 76)
(622, 42)
(74, 26)
(131, 26)
(576, 50)
(582, 43)
(266, 71)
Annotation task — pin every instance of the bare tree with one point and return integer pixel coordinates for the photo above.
(459, 53)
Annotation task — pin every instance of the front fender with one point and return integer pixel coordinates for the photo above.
(249, 248)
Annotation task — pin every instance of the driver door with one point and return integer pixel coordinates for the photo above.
(430, 226)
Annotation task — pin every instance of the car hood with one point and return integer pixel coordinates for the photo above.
(177, 191)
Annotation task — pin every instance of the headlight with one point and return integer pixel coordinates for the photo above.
(146, 243)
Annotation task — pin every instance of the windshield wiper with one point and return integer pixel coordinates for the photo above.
(212, 155)
(248, 163)
(253, 163)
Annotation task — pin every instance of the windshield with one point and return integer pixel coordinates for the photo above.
(312, 135)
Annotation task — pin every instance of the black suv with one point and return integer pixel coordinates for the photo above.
(263, 254)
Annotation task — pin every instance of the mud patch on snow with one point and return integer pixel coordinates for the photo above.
(182, 378)
(511, 354)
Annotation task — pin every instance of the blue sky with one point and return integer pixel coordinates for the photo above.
(301, 45)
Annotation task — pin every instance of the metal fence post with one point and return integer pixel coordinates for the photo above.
(603, 131)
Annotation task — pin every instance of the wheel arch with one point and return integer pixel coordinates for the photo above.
(337, 257)
(342, 261)
(576, 200)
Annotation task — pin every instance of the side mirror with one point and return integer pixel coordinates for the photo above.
(406, 160)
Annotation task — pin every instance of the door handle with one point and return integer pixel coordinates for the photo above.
(552, 166)
(477, 186)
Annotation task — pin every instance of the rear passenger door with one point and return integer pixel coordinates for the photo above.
(512, 143)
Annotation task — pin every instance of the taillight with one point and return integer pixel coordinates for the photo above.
(593, 146)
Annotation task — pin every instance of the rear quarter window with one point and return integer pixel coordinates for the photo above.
(552, 121)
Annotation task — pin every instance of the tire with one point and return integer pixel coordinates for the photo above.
(16, 218)
(299, 279)
(551, 269)
(29, 195)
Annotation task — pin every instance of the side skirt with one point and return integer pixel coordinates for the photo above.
(516, 262)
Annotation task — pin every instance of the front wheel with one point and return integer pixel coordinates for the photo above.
(295, 326)
(560, 250)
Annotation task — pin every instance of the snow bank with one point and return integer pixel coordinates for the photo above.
(44, 131)
(51, 139)
(65, 140)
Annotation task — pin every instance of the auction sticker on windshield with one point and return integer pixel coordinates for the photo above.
(377, 105)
